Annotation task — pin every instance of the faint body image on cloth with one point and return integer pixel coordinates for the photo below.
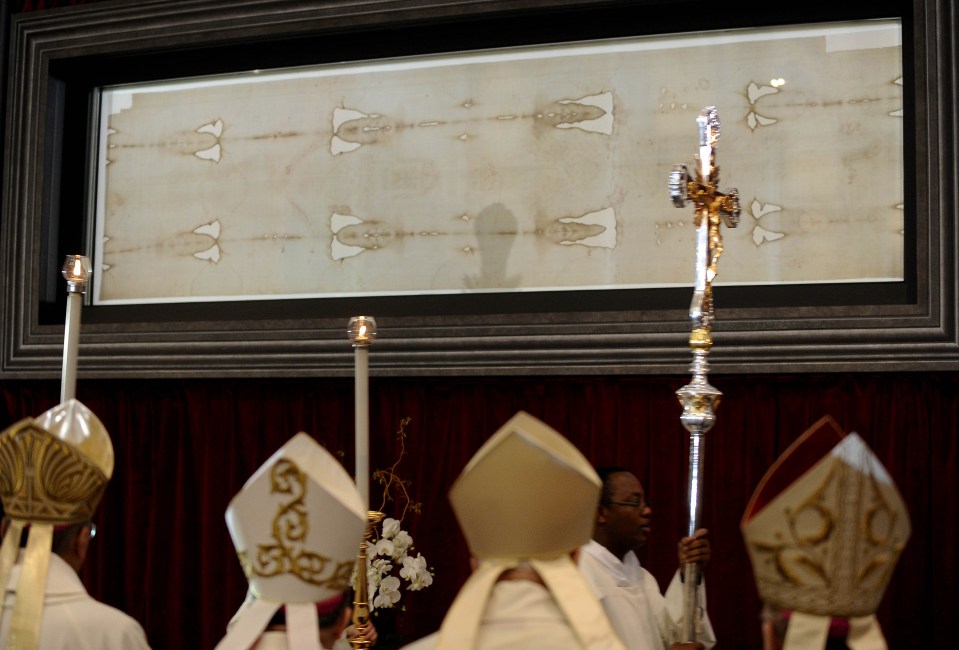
(538, 168)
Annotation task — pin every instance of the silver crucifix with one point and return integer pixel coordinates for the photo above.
(699, 398)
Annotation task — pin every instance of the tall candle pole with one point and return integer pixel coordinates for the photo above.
(699, 398)
(76, 271)
(362, 331)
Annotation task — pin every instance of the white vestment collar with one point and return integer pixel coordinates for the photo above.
(62, 580)
(627, 572)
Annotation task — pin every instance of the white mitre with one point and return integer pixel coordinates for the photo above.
(296, 525)
(824, 530)
(527, 497)
(53, 472)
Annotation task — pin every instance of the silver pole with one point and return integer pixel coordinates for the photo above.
(699, 400)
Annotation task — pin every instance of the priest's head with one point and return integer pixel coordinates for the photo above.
(70, 541)
(623, 516)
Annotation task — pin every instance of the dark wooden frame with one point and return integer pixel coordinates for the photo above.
(57, 57)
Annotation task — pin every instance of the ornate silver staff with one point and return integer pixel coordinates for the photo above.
(699, 398)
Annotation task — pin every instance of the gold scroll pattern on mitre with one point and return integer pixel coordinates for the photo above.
(828, 543)
(289, 530)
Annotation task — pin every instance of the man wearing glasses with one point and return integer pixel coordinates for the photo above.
(643, 618)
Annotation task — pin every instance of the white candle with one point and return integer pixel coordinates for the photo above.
(76, 271)
(71, 347)
(362, 331)
(363, 422)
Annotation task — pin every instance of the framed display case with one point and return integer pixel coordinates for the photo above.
(487, 179)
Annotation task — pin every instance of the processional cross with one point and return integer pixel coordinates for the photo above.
(699, 398)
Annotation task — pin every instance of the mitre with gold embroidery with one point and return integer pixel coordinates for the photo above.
(53, 472)
(296, 525)
(824, 530)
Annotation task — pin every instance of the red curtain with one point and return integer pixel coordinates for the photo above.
(184, 448)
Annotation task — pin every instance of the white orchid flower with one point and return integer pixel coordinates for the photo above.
(401, 543)
(416, 572)
(389, 592)
(384, 547)
(390, 527)
(423, 580)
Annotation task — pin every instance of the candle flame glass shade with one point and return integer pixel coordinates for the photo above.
(362, 330)
(76, 270)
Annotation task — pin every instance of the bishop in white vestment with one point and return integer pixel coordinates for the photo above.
(56, 469)
(525, 503)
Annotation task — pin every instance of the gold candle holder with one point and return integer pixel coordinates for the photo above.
(361, 598)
